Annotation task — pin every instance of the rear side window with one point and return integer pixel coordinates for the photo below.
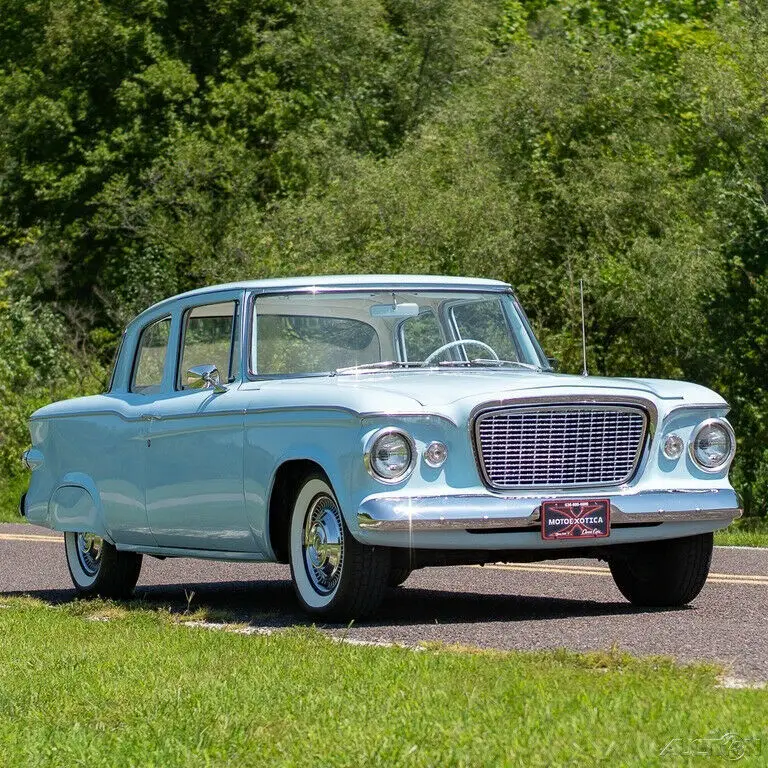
(150, 357)
(211, 338)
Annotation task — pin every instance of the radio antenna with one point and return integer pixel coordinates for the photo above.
(583, 330)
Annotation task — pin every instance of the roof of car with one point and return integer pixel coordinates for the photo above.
(339, 281)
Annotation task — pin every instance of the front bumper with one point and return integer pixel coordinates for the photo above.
(488, 512)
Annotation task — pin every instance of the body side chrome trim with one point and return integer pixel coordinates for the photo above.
(206, 554)
(248, 411)
(698, 407)
(406, 415)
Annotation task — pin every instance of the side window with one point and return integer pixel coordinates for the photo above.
(150, 357)
(485, 321)
(420, 336)
(211, 338)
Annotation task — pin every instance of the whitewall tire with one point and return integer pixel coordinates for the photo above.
(334, 575)
(97, 568)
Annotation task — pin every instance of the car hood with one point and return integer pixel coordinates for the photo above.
(432, 389)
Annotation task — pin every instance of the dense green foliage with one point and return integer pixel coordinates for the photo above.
(114, 686)
(146, 148)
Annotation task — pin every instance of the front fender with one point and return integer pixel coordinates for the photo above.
(337, 465)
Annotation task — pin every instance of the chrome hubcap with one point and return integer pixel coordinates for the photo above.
(89, 549)
(323, 544)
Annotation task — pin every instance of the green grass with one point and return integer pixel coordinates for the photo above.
(138, 688)
(746, 532)
(10, 492)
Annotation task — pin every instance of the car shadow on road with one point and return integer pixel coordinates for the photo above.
(272, 604)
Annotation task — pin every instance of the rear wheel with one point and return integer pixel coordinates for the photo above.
(664, 573)
(97, 568)
(334, 575)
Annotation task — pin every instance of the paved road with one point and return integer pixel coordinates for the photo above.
(572, 604)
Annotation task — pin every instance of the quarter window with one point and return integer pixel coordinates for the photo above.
(211, 338)
(150, 357)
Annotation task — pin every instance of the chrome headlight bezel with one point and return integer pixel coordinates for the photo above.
(436, 447)
(730, 434)
(673, 446)
(370, 446)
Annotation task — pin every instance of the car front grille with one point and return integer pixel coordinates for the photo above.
(559, 446)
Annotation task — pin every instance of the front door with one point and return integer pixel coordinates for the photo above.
(194, 491)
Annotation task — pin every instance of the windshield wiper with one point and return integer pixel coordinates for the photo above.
(382, 365)
(488, 362)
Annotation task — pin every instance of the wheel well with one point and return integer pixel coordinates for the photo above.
(284, 491)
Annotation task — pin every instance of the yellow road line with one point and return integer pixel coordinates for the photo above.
(589, 570)
(757, 580)
(739, 576)
(585, 570)
(28, 537)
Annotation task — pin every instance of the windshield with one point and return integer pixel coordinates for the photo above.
(343, 332)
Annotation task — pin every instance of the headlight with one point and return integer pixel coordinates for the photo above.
(390, 455)
(712, 445)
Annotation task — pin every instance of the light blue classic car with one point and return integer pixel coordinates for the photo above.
(359, 427)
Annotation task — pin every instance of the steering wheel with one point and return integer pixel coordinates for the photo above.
(459, 343)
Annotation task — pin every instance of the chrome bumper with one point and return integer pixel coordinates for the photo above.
(455, 512)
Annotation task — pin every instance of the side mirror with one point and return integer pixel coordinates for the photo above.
(204, 377)
(554, 363)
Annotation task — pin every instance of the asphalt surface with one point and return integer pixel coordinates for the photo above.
(562, 604)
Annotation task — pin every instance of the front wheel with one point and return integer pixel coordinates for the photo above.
(334, 575)
(97, 568)
(667, 573)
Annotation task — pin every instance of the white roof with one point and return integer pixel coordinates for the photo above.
(342, 281)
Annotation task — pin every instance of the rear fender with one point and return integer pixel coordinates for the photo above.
(74, 507)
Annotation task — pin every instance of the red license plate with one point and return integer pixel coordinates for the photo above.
(575, 519)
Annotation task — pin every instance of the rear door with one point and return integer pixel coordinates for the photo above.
(194, 490)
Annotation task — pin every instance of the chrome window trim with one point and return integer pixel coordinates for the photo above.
(184, 322)
(255, 293)
(115, 363)
(609, 402)
(137, 349)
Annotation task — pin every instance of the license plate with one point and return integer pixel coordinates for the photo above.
(575, 519)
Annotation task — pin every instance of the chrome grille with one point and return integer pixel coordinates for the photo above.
(559, 446)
